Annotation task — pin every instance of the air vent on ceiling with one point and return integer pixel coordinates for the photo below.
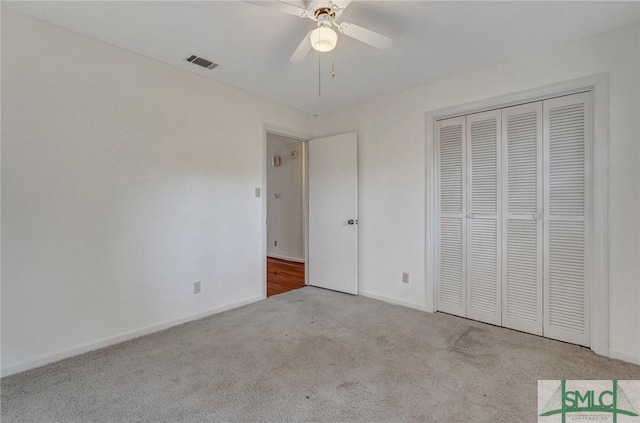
(196, 60)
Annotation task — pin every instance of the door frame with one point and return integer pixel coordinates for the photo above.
(304, 139)
(598, 85)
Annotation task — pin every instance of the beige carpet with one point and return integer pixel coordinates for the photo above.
(308, 355)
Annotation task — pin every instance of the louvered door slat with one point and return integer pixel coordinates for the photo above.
(522, 228)
(566, 229)
(451, 251)
(483, 229)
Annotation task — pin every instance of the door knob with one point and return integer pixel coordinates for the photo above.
(352, 222)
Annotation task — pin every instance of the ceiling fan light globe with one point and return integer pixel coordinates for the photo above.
(323, 39)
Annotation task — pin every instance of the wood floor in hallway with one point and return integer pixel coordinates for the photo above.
(283, 276)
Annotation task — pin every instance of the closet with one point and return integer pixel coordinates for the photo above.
(513, 217)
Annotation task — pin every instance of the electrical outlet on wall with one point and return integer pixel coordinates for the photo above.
(405, 277)
(196, 287)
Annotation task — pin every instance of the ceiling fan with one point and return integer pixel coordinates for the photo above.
(325, 14)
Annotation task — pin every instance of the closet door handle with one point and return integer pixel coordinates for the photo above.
(536, 216)
(469, 215)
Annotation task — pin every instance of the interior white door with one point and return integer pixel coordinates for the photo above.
(484, 289)
(452, 224)
(522, 218)
(567, 207)
(333, 213)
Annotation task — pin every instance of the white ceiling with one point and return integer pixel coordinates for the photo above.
(432, 40)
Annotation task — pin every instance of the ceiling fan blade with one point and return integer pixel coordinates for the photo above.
(341, 4)
(303, 49)
(365, 35)
(297, 3)
(280, 6)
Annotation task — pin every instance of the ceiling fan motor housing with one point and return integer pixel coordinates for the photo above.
(325, 12)
(319, 8)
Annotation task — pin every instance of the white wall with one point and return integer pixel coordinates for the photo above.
(285, 213)
(391, 134)
(124, 180)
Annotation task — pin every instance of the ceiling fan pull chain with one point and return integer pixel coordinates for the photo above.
(333, 66)
(319, 78)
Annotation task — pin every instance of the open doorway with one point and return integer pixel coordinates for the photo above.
(285, 261)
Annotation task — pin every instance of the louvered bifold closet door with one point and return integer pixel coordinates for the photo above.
(567, 138)
(483, 217)
(522, 223)
(451, 250)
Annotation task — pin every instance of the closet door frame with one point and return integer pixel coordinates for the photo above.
(598, 86)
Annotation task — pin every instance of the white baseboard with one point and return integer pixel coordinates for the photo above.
(624, 357)
(275, 256)
(92, 346)
(392, 300)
